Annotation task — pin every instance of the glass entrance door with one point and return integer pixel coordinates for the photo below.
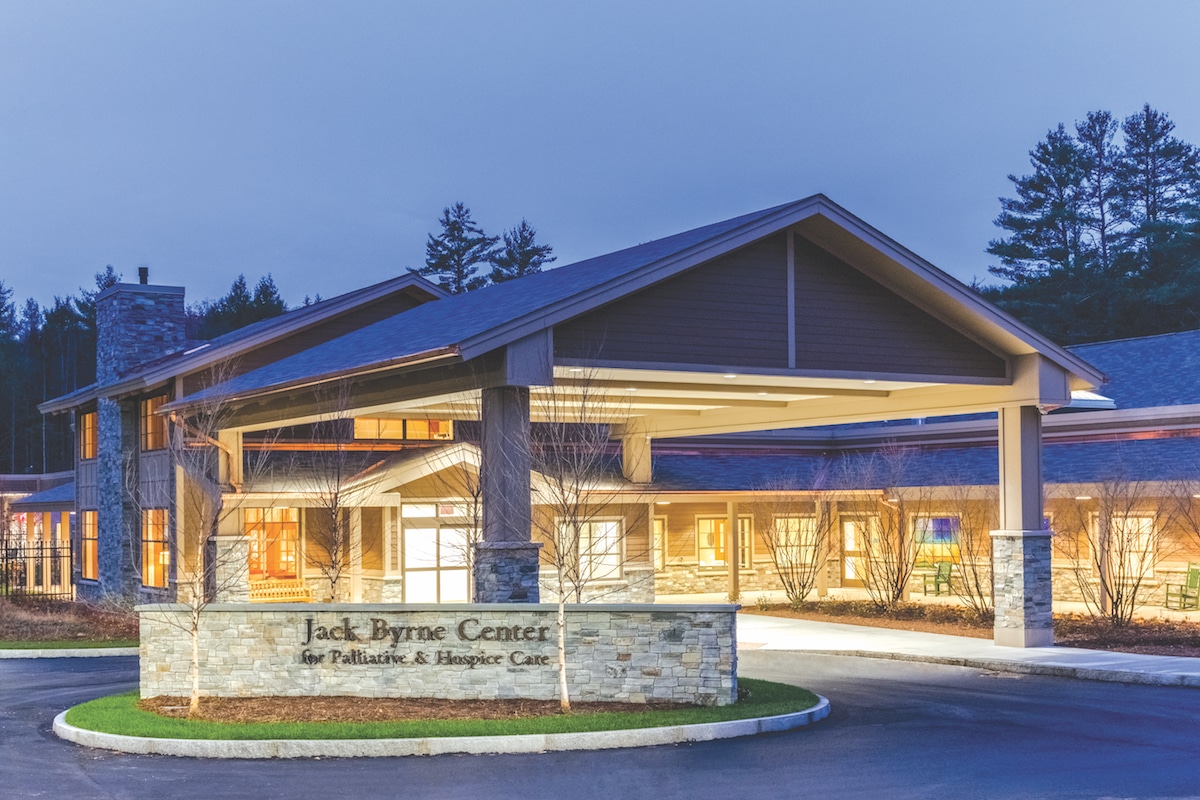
(854, 563)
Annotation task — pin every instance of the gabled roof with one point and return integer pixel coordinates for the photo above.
(474, 323)
(232, 344)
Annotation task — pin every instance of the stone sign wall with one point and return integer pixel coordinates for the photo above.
(627, 653)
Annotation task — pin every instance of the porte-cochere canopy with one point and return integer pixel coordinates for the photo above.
(795, 316)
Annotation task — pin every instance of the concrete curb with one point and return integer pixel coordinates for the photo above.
(1018, 667)
(475, 745)
(72, 652)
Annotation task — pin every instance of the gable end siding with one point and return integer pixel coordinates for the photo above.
(845, 320)
(732, 310)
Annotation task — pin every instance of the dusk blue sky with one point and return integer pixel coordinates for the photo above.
(320, 141)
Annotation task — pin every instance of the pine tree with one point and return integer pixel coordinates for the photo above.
(1046, 219)
(1158, 177)
(1100, 191)
(267, 302)
(452, 257)
(520, 255)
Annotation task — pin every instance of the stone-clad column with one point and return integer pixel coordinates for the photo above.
(506, 561)
(118, 524)
(1021, 547)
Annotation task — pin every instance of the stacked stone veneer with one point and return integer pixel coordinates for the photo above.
(1023, 588)
(627, 653)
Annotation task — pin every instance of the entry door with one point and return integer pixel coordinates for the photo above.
(854, 562)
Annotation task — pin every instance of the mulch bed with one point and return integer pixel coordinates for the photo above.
(37, 620)
(376, 709)
(1159, 637)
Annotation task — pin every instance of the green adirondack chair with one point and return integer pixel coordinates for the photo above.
(939, 577)
(1185, 596)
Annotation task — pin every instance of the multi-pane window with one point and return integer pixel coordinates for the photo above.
(156, 555)
(273, 536)
(936, 539)
(432, 548)
(712, 540)
(89, 546)
(600, 550)
(88, 442)
(412, 429)
(795, 540)
(154, 425)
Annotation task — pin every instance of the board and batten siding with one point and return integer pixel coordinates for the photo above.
(732, 310)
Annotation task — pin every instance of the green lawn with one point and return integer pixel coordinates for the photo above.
(119, 714)
(67, 644)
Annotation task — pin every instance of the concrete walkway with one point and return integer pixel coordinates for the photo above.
(756, 632)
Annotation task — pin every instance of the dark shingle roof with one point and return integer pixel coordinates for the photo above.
(454, 320)
(1088, 462)
(1149, 371)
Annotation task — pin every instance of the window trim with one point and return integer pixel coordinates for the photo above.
(152, 437)
(89, 435)
(89, 522)
(155, 520)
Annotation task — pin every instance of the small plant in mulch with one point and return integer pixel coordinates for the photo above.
(39, 620)
(1165, 637)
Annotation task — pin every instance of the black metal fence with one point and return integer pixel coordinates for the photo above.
(36, 569)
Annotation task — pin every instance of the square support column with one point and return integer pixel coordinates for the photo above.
(1021, 574)
(506, 561)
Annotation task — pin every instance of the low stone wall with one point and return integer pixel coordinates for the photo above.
(627, 653)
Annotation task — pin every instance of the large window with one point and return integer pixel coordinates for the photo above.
(156, 556)
(432, 552)
(273, 536)
(600, 550)
(795, 540)
(712, 539)
(154, 425)
(89, 547)
(88, 443)
(936, 539)
(420, 430)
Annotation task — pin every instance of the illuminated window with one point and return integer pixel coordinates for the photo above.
(599, 548)
(936, 539)
(156, 556)
(795, 540)
(421, 430)
(88, 442)
(712, 539)
(273, 536)
(154, 425)
(89, 547)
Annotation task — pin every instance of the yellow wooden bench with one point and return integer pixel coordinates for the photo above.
(280, 590)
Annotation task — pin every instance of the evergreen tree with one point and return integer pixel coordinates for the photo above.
(1158, 178)
(267, 302)
(1100, 190)
(237, 309)
(453, 257)
(520, 255)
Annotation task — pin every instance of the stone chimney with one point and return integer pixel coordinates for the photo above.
(137, 323)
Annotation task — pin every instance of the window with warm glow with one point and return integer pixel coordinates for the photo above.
(154, 425)
(712, 541)
(273, 536)
(88, 443)
(89, 547)
(156, 556)
(421, 430)
(936, 539)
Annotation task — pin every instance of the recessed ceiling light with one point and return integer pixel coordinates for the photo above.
(729, 375)
(869, 380)
(762, 394)
(1083, 497)
(631, 389)
(662, 502)
(576, 369)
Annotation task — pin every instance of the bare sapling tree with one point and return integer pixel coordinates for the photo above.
(333, 472)
(1113, 535)
(584, 511)
(977, 510)
(890, 536)
(213, 482)
(798, 526)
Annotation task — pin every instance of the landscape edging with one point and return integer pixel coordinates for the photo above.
(474, 745)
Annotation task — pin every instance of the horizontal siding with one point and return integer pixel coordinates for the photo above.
(845, 320)
(732, 310)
